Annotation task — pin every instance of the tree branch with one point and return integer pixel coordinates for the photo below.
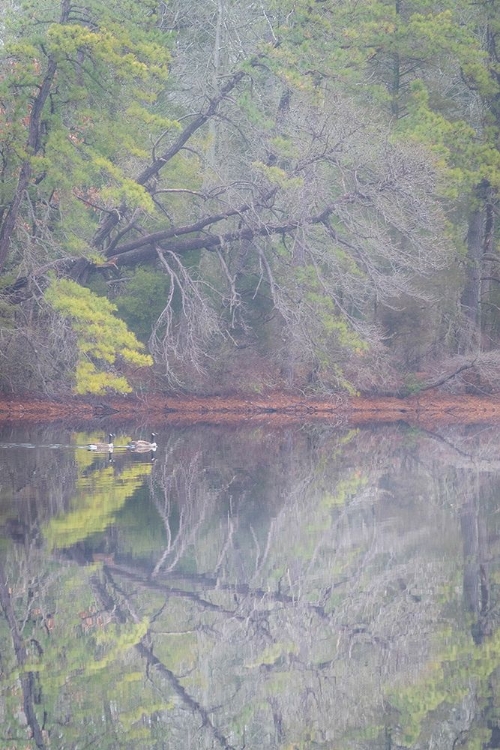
(144, 248)
(112, 220)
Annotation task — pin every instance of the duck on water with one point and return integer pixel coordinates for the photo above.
(102, 447)
(143, 446)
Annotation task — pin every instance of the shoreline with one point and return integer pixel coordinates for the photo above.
(271, 408)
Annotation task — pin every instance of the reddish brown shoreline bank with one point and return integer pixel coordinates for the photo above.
(278, 408)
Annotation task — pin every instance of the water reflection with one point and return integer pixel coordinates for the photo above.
(250, 588)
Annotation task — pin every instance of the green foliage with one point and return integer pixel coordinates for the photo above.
(103, 340)
(412, 385)
(277, 176)
(143, 300)
(331, 330)
(6, 314)
(463, 159)
(112, 63)
(398, 48)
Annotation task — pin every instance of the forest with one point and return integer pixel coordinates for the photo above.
(209, 197)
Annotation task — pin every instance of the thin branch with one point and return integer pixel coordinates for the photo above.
(111, 221)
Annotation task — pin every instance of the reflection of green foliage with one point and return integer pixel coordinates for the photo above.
(99, 497)
(446, 680)
(322, 518)
(274, 654)
(114, 643)
(179, 651)
(6, 314)
(257, 629)
(344, 491)
(81, 674)
(140, 531)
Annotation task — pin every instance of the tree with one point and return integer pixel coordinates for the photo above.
(69, 72)
(439, 64)
(102, 338)
(282, 212)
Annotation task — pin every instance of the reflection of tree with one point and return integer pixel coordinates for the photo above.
(181, 487)
(27, 678)
(475, 492)
(268, 591)
(36, 482)
(475, 546)
(156, 669)
(99, 497)
(264, 607)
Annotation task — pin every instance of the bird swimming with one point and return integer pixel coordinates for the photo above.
(143, 446)
(102, 447)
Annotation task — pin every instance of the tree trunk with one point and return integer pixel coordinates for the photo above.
(475, 299)
(33, 147)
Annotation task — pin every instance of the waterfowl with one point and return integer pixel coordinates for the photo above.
(102, 447)
(143, 446)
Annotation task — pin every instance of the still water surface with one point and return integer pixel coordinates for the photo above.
(253, 587)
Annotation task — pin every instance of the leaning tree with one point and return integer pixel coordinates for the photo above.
(283, 213)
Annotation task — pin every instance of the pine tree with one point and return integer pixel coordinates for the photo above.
(103, 340)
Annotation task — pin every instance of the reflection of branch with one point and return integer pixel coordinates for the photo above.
(175, 684)
(225, 546)
(147, 653)
(179, 484)
(27, 679)
(171, 591)
(469, 460)
(242, 589)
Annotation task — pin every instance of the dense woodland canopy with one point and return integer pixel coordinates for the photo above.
(215, 195)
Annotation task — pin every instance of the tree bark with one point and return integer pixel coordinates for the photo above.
(477, 248)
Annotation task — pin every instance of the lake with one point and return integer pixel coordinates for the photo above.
(313, 586)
